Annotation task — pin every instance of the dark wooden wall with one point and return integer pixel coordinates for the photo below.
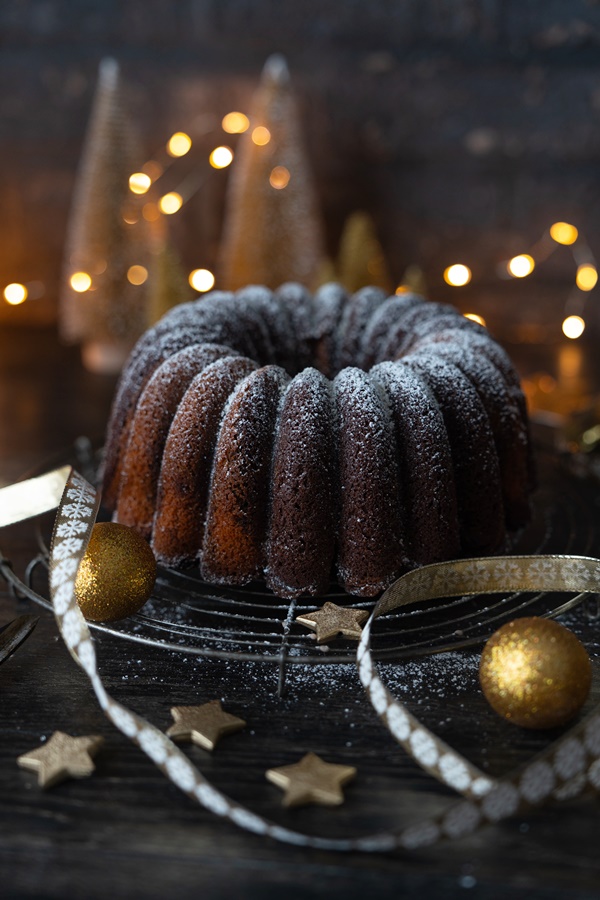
(465, 126)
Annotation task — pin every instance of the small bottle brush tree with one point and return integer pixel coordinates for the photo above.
(167, 283)
(106, 236)
(360, 259)
(272, 229)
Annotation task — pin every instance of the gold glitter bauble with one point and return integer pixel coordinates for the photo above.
(116, 575)
(535, 673)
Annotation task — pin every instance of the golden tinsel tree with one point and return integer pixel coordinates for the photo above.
(167, 283)
(360, 259)
(106, 236)
(272, 229)
(414, 280)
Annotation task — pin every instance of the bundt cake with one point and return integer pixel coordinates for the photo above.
(293, 438)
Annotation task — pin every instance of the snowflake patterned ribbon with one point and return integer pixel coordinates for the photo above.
(571, 764)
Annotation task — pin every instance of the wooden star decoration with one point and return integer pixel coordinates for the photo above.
(203, 725)
(312, 780)
(62, 757)
(332, 620)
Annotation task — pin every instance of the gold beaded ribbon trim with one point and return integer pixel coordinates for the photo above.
(569, 765)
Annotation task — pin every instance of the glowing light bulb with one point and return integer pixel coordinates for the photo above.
(221, 157)
(261, 136)
(80, 282)
(591, 436)
(457, 275)
(563, 233)
(15, 293)
(139, 182)
(521, 266)
(475, 318)
(573, 327)
(170, 203)
(279, 178)
(137, 274)
(201, 280)
(235, 123)
(179, 144)
(587, 277)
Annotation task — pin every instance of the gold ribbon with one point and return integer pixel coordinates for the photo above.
(563, 770)
(493, 575)
(32, 497)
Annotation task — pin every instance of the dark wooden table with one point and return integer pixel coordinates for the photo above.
(126, 832)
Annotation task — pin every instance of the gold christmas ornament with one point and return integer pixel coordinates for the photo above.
(535, 673)
(116, 575)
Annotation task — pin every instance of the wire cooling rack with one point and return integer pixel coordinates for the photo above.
(187, 615)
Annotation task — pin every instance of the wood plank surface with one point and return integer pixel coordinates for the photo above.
(126, 832)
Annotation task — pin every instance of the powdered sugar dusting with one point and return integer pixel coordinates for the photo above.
(390, 431)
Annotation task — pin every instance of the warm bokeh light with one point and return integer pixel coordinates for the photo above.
(573, 327)
(279, 178)
(139, 182)
(261, 136)
(151, 212)
(201, 280)
(170, 203)
(235, 123)
(402, 289)
(546, 383)
(80, 282)
(457, 275)
(221, 157)
(15, 293)
(521, 266)
(475, 318)
(587, 277)
(563, 233)
(137, 274)
(591, 437)
(131, 216)
(179, 144)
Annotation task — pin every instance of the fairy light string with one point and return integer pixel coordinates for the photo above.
(234, 123)
(523, 264)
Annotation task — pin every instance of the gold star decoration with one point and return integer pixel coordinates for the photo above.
(203, 725)
(312, 780)
(62, 757)
(332, 620)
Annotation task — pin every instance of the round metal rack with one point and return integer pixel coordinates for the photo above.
(187, 615)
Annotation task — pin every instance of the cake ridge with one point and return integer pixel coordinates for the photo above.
(360, 434)
(188, 460)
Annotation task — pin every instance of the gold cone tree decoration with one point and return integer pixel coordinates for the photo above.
(414, 280)
(167, 283)
(99, 307)
(361, 260)
(272, 228)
